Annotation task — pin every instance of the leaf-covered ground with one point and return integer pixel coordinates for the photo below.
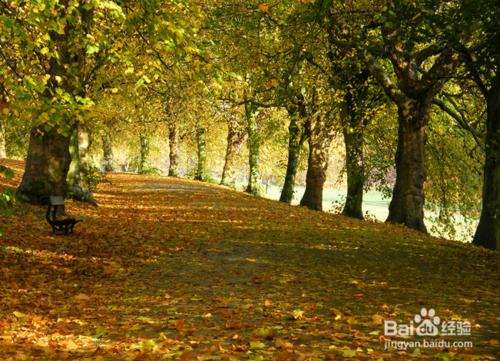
(176, 269)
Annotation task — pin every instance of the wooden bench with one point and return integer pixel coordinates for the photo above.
(56, 216)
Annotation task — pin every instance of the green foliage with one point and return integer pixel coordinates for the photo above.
(338, 205)
(380, 139)
(7, 198)
(150, 170)
(7, 195)
(451, 150)
(92, 176)
(6, 171)
(138, 67)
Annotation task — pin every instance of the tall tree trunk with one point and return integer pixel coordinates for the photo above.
(144, 154)
(355, 170)
(235, 139)
(320, 139)
(107, 148)
(253, 142)
(78, 147)
(353, 128)
(296, 138)
(201, 141)
(173, 142)
(4, 110)
(413, 94)
(407, 203)
(488, 231)
(46, 166)
(3, 143)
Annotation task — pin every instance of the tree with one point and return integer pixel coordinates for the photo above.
(321, 129)
(57, 69)
(236, 136)
(421, 65)
(352, 129)
(297, 135)
(107, 150)
(144, 151)
(4, 110)
(251, 112)
(475, 33)
(79, 166)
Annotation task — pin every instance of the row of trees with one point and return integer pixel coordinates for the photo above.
(418, 77)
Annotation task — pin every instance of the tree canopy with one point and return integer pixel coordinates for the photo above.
(397, 97)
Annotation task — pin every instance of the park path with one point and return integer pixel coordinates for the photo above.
(168, 268)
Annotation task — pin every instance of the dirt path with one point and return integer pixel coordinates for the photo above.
(176, 269)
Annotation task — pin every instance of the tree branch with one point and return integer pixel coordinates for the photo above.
(471, 66)
(427, 52)
(441, 70)
(460, 120)
(383, 78)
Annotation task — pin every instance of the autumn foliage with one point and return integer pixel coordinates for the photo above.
(176, 269)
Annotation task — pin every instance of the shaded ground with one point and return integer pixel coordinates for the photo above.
(176, 269)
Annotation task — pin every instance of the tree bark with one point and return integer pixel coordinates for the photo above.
(107, 148)
(407, 203)
(4, 110)
(296, 138)
(355, 170)
(235, 139)
(46, 166)
(173, 141)
(253, 142)
(78, 148)
(320, 138)
(144, 154)
(3, 143)
(353, 129)
(488, 230)
(48, 158)
(201, 141)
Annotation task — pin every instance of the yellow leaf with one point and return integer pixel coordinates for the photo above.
(71, 345)
(284, 344)
(19, 314)
(257, 345)
(82, 297)
(264, 7)
(298, 314)
(145, 319)
(349, 353)
(378, 319)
